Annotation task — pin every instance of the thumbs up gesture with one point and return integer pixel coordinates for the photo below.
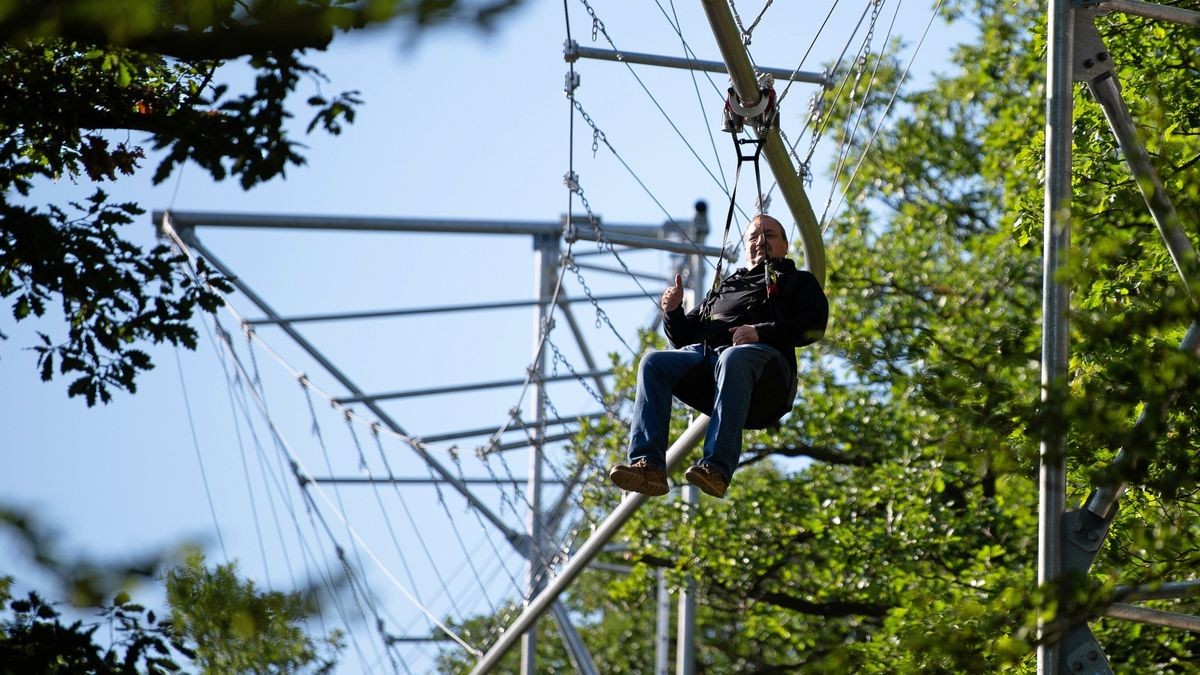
(673, 296)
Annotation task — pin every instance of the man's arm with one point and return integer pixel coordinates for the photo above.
(681, 329)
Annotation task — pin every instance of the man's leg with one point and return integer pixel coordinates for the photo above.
(658, 374)
(738, 369)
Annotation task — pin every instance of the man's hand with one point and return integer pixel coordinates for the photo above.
(744, 335)
(673, 296)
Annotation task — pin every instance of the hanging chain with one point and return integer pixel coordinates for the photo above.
(746, 33)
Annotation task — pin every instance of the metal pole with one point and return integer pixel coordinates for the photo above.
(446, 309)
(276, 221)
(590, 549)
(546, 250)
(1107, 93)
(685, 637)
(1152, 10)
(1055, 302)
(457, 388)
(662, 643)
(1166, 591)
(1153, 616)
(588, 359)
(573, 52)
(584, 665)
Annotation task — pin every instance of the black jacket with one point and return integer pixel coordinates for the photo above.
(794, 317)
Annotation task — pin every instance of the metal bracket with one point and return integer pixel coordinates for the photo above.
(570, 51)
(1087, 658)
(1083, 533)
(1090, 59)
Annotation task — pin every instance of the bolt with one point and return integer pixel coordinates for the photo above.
(1077, 666)
(1088, 63)
(1092, 536)
(1102, 57)
(1092, 655)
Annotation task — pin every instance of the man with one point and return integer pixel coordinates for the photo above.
(744, 333)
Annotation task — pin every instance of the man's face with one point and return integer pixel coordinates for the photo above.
(764, 238)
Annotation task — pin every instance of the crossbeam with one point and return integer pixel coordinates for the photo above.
(1152, 10)
(572, 52)
(454, 389)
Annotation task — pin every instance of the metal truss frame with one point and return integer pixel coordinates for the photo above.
(1068, 541)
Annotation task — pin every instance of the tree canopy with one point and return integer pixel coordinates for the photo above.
(76, 76)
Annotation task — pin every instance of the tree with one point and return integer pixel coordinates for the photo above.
(217, 621)
(908, 542)
(73, 73)
(235, 628)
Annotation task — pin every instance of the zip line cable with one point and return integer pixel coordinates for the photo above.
(368, 597)
(887, 109)
(599, 25)
(850, 132)
(311, 560)
(212, 509)
(303, 473)
(690, 56)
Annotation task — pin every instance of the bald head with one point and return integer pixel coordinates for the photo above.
(764, 238)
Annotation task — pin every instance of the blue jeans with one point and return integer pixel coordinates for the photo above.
(735, 369)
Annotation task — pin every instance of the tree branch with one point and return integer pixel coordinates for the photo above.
(826, 455)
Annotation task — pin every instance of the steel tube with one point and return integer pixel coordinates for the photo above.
(515, 426)
(578, 651)
(378, 224)
(514, 445)
(1154, 617)
(1104, 499)
(621, 271)
(417, 311)
(1152, 10)
(454, 389)
(1052, 476)
(662, 632)
(691, 64)
(581, 340)
(678, 451)
(1107, 93)
(621, 239)
(368, 480)
(1166, 591)
(745, 86)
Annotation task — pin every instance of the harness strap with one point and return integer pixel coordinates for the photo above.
(706, 305)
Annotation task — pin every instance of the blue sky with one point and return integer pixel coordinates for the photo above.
(459, 125)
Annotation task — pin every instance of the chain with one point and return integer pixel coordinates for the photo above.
(597, 24)
(559, 358)
(746, 33)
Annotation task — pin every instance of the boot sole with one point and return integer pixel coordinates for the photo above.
(706, 487)
(635, 482)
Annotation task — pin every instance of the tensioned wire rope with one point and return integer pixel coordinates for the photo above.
(327, 576)
(358, 589)
(218, 347)
(598, 26)
(816, 121)
(883, 117)
(298, 467)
